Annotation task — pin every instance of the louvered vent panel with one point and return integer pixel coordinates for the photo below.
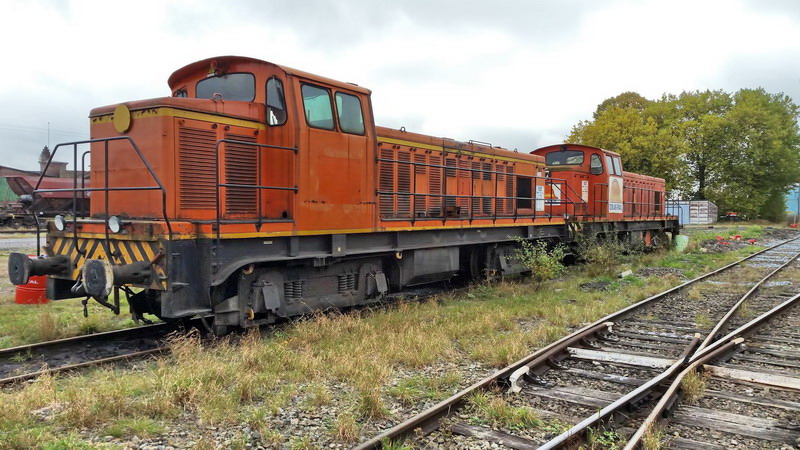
(488, 190)
(197, 175)
(241, 167)
(403, 184)
(487, 171)
(476, 189)
(386, 182)
(463, 200)
(451, 199)
(420, 170)
(510, 189)
(451, 162)
(435, 187)
(501, 203)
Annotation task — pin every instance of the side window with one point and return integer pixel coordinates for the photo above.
(617, 166)
(276, 106)
(595, 164)
(610, 165)
(351, 120)
(317, 106)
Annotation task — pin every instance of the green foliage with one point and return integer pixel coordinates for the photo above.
(608, 439)
(543, 264)
(601, 254)
(414, 389)
(740, 150)
(626, 100)
(497, 412)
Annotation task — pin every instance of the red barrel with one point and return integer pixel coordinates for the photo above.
(32, 293)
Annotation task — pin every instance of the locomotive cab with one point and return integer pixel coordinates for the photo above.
(592, 178)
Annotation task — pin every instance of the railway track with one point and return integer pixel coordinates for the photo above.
(597, 387)
(30, 361)
(27, 362)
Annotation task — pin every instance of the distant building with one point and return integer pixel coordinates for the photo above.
(693, 212)
(792, 200)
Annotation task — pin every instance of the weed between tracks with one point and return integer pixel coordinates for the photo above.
(345, 364)
(693, 386)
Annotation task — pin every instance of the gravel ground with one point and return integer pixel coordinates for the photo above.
(23, 243)
(299, 425)
(751, 399)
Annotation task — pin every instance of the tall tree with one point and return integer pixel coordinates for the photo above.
(626, 100)
(623, 125)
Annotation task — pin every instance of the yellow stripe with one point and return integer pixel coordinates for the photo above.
(136, 253)
(149, 251)
(458, 150)
(162, 111)
(126, 256)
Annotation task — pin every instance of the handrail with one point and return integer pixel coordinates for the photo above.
(471, 173)
(106, 189)
(258, 187)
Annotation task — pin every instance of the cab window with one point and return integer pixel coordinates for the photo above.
(276, 105)
(617, 166)
(564, 158)
(595, 164)
(231, 86)
(610, 165)
(351, 120)
(317, 104)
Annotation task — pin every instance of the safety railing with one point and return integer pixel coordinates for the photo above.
(500, 206)
(84, 191)
(559, 188)
(643, 202)
(673, 207)
(259, 188)
(636, 202)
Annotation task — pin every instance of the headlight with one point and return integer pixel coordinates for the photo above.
(114, 224)
(60, 222)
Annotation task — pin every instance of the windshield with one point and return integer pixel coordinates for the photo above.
(232, 86)
(565, 158)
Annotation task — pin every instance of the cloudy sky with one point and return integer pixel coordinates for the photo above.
(514, 73)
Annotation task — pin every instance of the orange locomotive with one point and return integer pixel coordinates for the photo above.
(258, 191)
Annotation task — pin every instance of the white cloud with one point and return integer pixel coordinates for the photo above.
(518, 74)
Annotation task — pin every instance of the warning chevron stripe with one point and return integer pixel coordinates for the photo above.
(122, 252)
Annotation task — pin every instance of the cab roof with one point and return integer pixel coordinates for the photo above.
(232, 61)
(573, 147)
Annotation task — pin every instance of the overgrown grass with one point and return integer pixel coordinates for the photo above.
(654, 439)
(693, 386)
(250, 379)
(494, 410)
(412, 390)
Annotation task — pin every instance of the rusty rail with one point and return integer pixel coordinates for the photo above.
(700, 358)
(428, 420)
